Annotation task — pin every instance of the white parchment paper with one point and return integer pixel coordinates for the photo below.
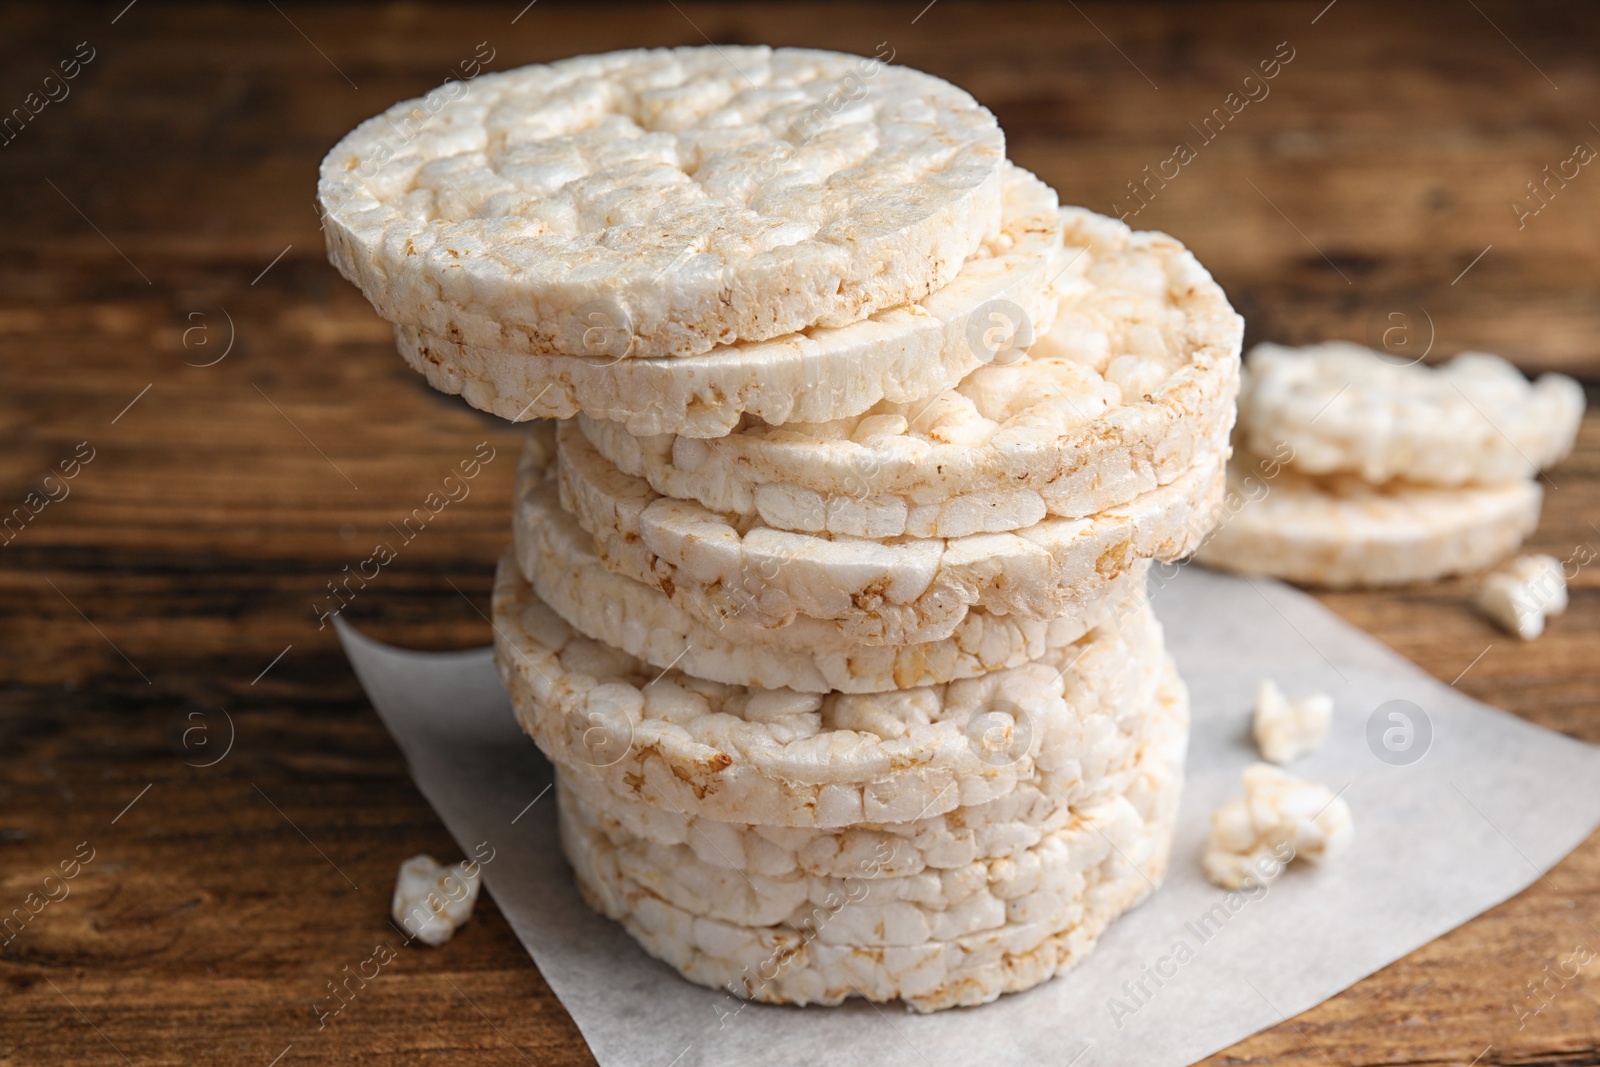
(1491, 804)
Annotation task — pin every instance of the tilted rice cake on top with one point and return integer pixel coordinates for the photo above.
(706, 195)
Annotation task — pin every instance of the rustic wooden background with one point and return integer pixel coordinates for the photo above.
(164, 208)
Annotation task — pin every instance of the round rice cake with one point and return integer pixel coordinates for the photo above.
(900, 353)
(560, 560)
(738, 874)
(1066, 779)
(903, 591)
(703, 195)
(873, 938)
(1038, 885)
(1136, 377)
(1339, 531)
(1475, 420)
(784, 758)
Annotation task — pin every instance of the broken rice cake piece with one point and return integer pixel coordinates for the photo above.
(1279, 819)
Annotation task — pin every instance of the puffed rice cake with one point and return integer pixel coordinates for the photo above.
(934, 939)
(709, 194)
(899, 353)
(904, 591)
(1342, 408)
(1134, 379)
(563, 564)
(1339, 531)
(780, 757)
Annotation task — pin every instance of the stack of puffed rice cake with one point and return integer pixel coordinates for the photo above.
(827, 597)
(1355, 468)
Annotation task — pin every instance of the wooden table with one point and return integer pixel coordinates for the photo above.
(162, 212)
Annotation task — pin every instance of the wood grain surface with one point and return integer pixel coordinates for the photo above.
(161, 211)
